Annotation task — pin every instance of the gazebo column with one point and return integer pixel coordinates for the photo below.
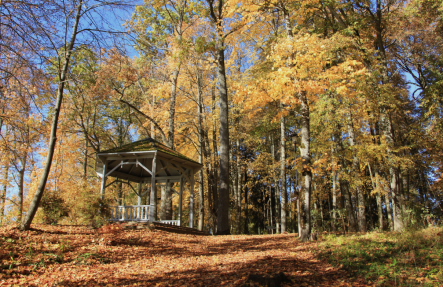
(191, 201)
(180, 196)
(103, 186)
(139, 202)
(152, 206)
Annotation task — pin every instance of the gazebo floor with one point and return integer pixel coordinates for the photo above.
(164, 227)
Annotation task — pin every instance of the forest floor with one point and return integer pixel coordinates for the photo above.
(410, 258)
(74, 256)
(111, 256)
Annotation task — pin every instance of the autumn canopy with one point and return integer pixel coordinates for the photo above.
(283, 116)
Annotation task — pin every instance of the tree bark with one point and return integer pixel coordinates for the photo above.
(388, 210)
(26, 224)
(283, 191)
(85, 160)
(305, 155)
(239, 188)
(21, 187)
(201, 148)
(215, 182)
(223, 189)
(246, 223)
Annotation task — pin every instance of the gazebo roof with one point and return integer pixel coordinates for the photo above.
(170, 162)
(147, 144)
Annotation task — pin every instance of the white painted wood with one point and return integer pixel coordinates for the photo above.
(129, 213)
(152, 200)
(180, 199)
(139, 201)
(117, 166)
(103, 186)
(171, 222)
(144, 167)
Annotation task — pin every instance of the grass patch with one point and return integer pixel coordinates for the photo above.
(391, 258)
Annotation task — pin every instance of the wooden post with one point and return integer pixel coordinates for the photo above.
(152, 199)
(102, 189)
(139, 202)
(191, 200)
(180, 194)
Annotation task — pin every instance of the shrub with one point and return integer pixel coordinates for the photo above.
(53, 208)
(92, 209)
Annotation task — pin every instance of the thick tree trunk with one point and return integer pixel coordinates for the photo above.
(166, 202)
(215, 182)
(26, 224)
(305, 155)
(223, 189)
(283, 191)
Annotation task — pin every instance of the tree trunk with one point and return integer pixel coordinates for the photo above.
(85, 160)
(212, 203)
(356, 170)
(239, 188)
(388, 210)
(305, 155)
(275, 194)
(21, 187)
(246, 227)
(166, 202)
(386, 126)
(223, 189)
(26, 224)
(3, 192)
(201, 148)
(214, 186)
(171, 118)
(283, 191)
(344, 187)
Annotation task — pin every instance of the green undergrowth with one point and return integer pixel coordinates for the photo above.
(412, 258)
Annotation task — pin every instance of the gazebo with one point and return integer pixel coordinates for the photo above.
(146, 161)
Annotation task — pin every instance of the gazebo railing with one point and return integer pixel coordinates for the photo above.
(130, 213)
(171, 222)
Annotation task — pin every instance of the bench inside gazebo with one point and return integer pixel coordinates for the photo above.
(147, 161)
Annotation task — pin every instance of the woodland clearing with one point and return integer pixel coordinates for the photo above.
(110, 256)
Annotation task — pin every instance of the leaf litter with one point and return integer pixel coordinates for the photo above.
(78, 256)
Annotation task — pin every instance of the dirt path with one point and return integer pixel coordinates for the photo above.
(158, 258)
